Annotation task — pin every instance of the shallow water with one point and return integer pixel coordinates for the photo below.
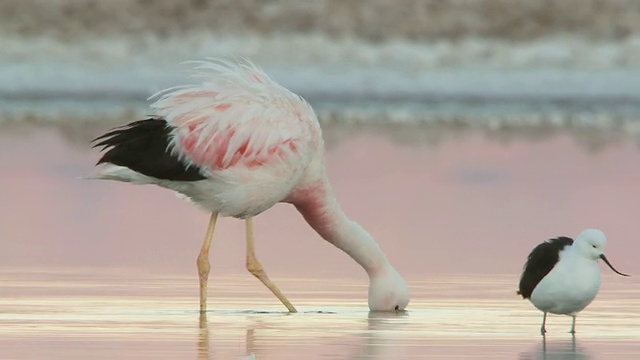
(99, 270)
(57, 315)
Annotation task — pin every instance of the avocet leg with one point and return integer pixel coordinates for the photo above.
(573, 325)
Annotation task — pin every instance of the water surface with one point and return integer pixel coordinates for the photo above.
(103, 270)
(67, 315)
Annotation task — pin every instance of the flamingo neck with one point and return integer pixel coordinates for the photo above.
(321, 210)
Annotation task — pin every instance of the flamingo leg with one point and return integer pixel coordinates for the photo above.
(203, 262)
(255, 268)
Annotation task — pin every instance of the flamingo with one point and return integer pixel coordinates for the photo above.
(236, 144)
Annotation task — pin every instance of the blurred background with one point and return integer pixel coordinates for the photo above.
(485, 125)
(517, 63)
(459, 133)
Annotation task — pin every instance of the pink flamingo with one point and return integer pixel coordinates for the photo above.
(237, 144)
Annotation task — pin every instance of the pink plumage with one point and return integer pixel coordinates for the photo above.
(238, 116)
(236, 144)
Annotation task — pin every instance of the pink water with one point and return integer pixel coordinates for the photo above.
(101, 270)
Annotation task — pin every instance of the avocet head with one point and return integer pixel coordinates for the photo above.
(388, 291)
(590, 244)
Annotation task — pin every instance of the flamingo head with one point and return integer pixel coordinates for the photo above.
(388, 291)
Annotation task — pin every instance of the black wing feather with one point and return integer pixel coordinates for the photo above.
(540, 262)
(142, 146)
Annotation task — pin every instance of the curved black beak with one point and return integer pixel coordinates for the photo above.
(604, 258)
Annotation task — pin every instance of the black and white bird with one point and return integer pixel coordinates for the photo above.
(561, 276)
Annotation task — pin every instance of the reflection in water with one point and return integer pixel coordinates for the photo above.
(203, 337)
(379, 341)
(557, 350)
(203, 340)
(72, 319)
(204, 352)
(249, 345)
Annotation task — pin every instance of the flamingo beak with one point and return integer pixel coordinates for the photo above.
(604, 258)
